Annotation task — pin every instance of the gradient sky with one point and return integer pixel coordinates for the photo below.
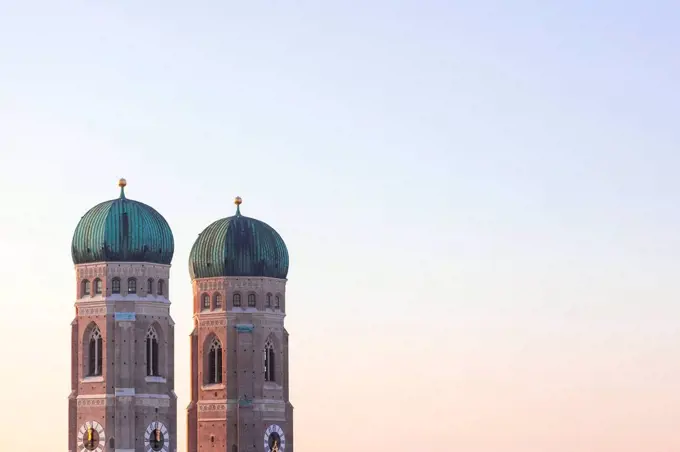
(480, 200)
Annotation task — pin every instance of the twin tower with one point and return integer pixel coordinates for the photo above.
(122, 342)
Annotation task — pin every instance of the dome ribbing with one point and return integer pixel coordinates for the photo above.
(122, 230)
(239, 246)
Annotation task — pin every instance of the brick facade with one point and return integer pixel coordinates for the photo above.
(235, 413)
(124, 400)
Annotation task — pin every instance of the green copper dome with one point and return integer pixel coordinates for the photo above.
(239, 246)
(122, 230)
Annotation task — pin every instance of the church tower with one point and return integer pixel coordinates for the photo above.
(122, 340)
(239, 346)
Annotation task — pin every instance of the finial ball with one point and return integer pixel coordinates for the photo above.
(122, 182)
(238, 200)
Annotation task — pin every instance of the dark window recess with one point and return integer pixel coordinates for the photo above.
(126, 225)
(95, 352)
(269, 373)
(152, 354)
(215, 362)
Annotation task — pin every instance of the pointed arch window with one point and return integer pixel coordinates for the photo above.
(215, 362)
(205, 301)
(218, 300)
(95, 352)
(237, 300)
(98, 286)
(161, 287)
(277, 302)
(269, 300)
(152, 369)
(132, 285)
(269, 374)
(86, 287)
(149, 286)
(251, 300)
(115, 285)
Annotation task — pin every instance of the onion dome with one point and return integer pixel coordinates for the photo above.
(239, 246)
(122, 230)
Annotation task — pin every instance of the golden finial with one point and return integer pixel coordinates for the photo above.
(238, 202)
(122, 183)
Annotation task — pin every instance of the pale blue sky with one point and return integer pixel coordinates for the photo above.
(490, 182)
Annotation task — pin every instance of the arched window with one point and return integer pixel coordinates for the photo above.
(218, 300)
(86, 287)
(215, 362)
(161, 287)
(269, 300)
(149, 286)
(95, 352)
(277, 302)
(98, 286)
(205, 301)
(234, 448)
(132, 285)
(269, 374)
(251, 300)
(115, 285)
(237, 300)
(152, 353)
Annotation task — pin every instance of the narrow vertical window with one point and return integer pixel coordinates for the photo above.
(86, 287)
(215, 362)
(205, 301)
(149, 286)
(126, 226)
(251, 300)
(115, 285)
(218, 300)
(98, 286)
(95, 351)
(161, 287)
(132, 285)
(237, 300)
(152, 369)
(269, 300)
(277, 302)
(269, 361)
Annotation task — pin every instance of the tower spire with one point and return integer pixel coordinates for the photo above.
(238, 201)
(122, 183)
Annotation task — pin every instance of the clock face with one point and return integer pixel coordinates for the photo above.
(274, 439)
(157, 438)
(91, 437)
